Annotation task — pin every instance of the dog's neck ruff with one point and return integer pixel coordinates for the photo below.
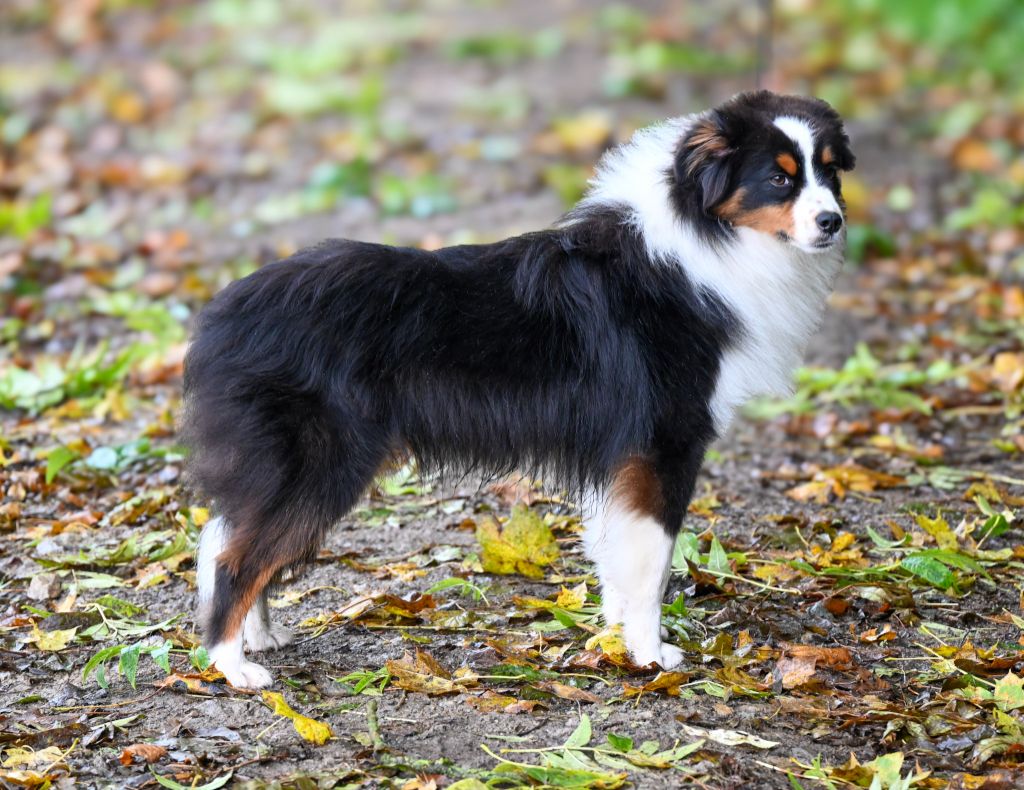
(776, 291)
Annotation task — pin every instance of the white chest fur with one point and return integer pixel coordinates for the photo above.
(775, 290)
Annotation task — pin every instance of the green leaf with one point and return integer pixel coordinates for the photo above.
(102, 458)
(718, 560)
(620, 742)
(58, 458)
(929, 569)
(1009, 692)
(199, 658)
(128, 664)
(98, 659)
(161, 656)
(581, 735)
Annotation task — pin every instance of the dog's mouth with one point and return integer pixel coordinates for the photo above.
(821, 245)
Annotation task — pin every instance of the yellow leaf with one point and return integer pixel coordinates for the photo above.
(1008, 371)
(31, 758)
(582, 132)
(887, 768)
(53, 640)
(611, 643)
(524, 545)
(843, 541)
(312, 730)
(573, 599)
(939, 529)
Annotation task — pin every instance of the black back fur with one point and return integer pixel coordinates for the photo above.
(562, 352)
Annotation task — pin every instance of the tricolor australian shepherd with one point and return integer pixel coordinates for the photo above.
(604, 353)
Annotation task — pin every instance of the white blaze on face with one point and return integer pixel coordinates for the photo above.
(815, 196)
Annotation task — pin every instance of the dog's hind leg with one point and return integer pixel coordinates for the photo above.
(259, 631)
(321, 469)
(262, 633)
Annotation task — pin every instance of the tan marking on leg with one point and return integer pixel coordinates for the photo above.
(638, 487)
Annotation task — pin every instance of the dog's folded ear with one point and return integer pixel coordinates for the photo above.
(704, 159)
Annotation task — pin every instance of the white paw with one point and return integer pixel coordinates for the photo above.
(273, 638)
(665, 655)
(671, 656)
(230, 660)
(245, 674)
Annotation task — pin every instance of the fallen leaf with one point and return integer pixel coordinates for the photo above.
(32, 758)
(52, 641)
(795, 671)
(310, 729)
(422, 673)
(566, 691)
(729, 737)
(524, 545)
(146, 752)
(668, 682)
(1009, 692)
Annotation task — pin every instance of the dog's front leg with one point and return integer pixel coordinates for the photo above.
(633, 553)
(630, 531)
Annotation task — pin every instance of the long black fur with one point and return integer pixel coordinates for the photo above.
(563, 352)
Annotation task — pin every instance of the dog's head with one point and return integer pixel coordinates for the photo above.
(770, 163)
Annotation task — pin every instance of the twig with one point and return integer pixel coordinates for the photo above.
(373, 726)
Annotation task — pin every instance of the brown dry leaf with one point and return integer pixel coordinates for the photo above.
(975, 155)
(668, 682)
(1008, 371)
(493, 702)
(146, 752)
(566, 691)
(875, 635)
(795, 671)
(832, 657)
(837, 480)
(201, 683)
(422, 673)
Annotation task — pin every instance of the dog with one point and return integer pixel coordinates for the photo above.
(604, 353)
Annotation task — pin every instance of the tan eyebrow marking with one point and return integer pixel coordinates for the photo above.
(826, 155)
(787, 163)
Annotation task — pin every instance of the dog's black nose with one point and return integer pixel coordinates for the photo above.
(829, 221)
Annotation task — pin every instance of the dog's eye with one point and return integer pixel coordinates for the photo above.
(831, 171)
(780, 180)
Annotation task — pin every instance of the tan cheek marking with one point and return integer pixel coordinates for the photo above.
(775, 219)
(638, 488)
(787, 163)
(827, 157)
(731, 208)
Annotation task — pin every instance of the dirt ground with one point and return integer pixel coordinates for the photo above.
(208, 163)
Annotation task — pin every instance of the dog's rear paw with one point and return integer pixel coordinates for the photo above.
(272, 638)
